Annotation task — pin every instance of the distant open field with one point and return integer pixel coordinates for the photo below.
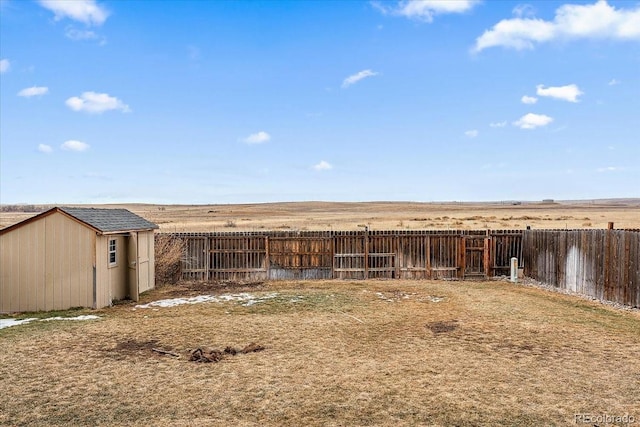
(336, 353)
(625, 213)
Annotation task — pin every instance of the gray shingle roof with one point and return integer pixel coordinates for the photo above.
(110, 220)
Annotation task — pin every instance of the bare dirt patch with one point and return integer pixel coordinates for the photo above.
(133, 348)
(443, 327)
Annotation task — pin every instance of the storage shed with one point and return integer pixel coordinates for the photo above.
(75, 257)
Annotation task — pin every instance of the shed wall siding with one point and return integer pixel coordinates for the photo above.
(103, 285)
(47, 265)
(111, 281)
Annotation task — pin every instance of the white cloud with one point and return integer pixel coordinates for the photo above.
(471, 133)
(92, 102)
(33, 91)
(44, 148)
(532, 121)
(425, 10)
(516, 34)
(613, 82)
(5, 64)
(86, 11)
(75, 34)
(524, 10)
(591, 21)
(357, 77)
(257, 138)
(566, 93)
(498, 124)
(529, 99)
(73, 145)
(322, 166)
(610, 169)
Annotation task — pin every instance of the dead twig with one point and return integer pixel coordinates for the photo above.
(348, 315)
(252, 348)
(161, 351)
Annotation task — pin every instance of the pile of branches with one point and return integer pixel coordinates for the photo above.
(200, 355)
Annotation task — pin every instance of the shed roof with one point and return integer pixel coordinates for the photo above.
(101, 220)
(110, 220)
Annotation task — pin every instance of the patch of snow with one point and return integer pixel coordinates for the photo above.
(383, 297)
(398, 296)
(245, 298)
(6, 323)
(83, 317)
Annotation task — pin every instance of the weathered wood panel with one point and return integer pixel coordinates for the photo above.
(381, 259)
(350, 256)
(505, 244)
(413, 257)
(300, 257)
(234, 258)
(445, 256)
(604, 264)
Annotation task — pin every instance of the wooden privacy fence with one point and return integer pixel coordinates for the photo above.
(604, 264)
(447, 254)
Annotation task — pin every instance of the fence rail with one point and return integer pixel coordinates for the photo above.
(440, 254)
(604, 264)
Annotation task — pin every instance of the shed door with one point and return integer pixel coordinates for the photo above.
(132, 258)
(143, 262)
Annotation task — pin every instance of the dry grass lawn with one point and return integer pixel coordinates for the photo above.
(337, 353)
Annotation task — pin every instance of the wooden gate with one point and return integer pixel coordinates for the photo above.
(475, 249)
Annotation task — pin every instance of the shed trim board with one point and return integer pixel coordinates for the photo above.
(42, 215)
(56, 261)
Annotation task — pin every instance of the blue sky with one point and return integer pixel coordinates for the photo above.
(241, 102)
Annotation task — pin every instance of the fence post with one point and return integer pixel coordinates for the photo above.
(266, 257)
(427, 254)
(488, 264)
(366, 252)
(396, 259)
(207, 260)
(514, 270)
(607, 260)
(462, 247)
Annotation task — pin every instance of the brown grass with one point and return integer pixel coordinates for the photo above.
(168, 255)
(337, 353)
(625, 213)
